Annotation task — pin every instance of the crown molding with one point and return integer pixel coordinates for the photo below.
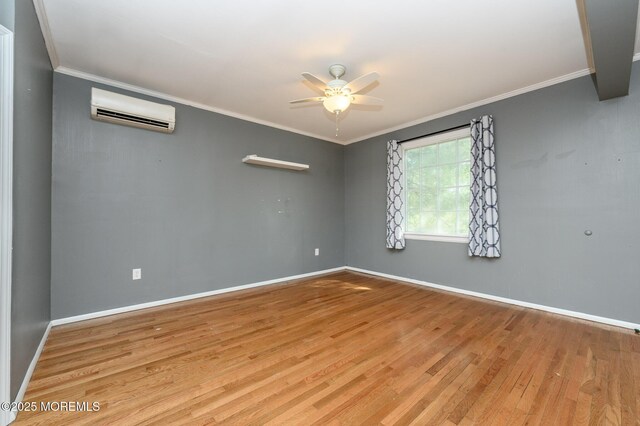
(160, 95)
(531, 88)
(55, 62)
(476, 104)
(46, 32)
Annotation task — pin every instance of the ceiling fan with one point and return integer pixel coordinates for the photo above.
(338, 94)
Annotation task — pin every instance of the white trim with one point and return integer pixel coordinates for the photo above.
(503, 96)
(476, 104)
(6, 213)
(32, 367)
(34, 361)
(130, 308)
(426, 141)
(160, 95)
(46, 32)
(441, 238)
(565, 312)
(55, 62)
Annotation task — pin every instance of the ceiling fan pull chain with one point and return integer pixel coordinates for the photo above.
(337, 114)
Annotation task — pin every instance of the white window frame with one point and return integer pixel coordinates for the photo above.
(419, 143)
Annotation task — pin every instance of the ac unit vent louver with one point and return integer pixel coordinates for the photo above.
(132, 118)
(120, 109)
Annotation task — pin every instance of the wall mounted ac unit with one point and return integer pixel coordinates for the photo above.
(121, 109)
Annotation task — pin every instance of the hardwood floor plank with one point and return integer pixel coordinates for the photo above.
(342, 349)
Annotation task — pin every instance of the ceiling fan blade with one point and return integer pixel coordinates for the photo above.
(316, 99)
(361, 82)
(315, 81)
(366, 100)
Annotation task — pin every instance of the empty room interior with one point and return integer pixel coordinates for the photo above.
(337, 213)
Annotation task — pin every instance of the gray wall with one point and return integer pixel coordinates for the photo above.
(183, 207)
(566, 163)
(8, 14)
(30, 304)
(194, 218)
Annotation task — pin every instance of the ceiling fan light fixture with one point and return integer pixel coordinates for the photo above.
(338, 94)
(337, 103)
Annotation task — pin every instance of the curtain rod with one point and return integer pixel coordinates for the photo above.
(462, 126)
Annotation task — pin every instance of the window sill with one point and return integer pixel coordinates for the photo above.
(441, 238)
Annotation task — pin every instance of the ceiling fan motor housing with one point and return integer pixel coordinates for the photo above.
(334, 87)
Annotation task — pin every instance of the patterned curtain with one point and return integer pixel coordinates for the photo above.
(395, 196)
(484, 237)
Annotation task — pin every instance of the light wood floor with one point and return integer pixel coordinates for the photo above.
(340, 349)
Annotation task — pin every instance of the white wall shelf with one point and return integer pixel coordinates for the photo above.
(270, 162)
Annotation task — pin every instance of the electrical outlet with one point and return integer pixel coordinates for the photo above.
(137, 274)
(317, 252)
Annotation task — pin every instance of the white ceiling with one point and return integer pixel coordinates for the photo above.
(244, 57)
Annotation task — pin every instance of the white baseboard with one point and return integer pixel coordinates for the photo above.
(29, 373)
(130, 308)
(574, 314)
(34, 361)
(589, 317)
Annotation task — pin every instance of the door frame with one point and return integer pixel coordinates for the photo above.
(6, 213)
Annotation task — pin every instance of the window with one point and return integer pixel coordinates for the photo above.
(438, 180)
